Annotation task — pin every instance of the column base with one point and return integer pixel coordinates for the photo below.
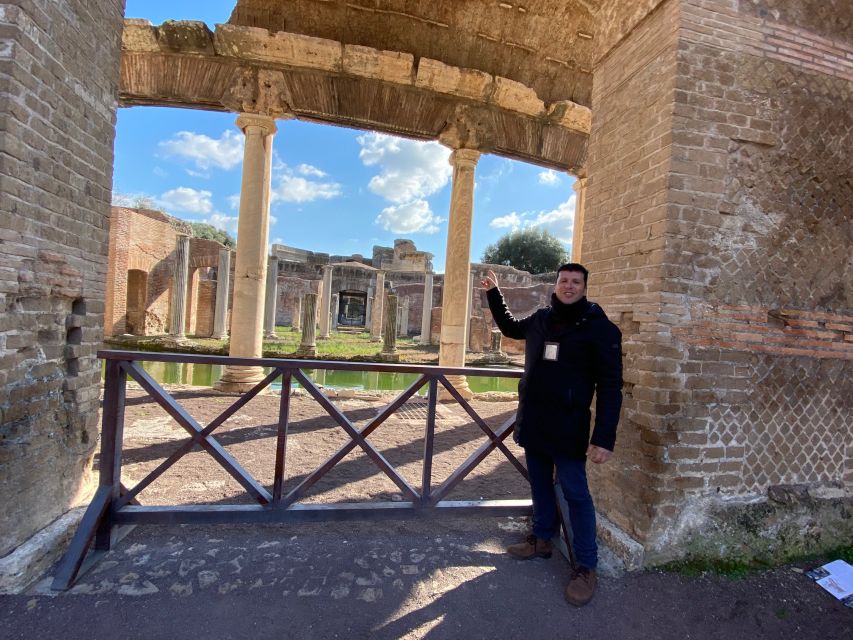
(460, 383)
(388, 357)
(307, 351)
(239, 379)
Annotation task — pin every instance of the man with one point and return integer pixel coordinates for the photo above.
(572, 351)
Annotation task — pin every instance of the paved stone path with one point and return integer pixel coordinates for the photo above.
(437, 579)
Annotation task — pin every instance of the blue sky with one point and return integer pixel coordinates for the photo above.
(334, 190)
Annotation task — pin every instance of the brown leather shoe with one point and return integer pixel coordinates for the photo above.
(532, 547)
(581, 587)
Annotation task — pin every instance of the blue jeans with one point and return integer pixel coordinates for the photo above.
(571, 474)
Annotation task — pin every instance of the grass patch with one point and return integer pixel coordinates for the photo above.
(740, 568)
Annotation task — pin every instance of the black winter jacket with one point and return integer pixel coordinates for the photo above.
(554, 397)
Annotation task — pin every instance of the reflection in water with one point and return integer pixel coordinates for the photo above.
(204, 375)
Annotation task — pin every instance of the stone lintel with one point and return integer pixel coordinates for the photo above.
(389, 66)
(434, 75)
(514, 96)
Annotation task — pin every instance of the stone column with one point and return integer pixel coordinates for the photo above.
(308, 344)
(376, 314)
(271, 297)
(470, 310)
(296, 315)
(368, 308)
(223, 278)
(426, 311)
(403, 324)
(457, 278)
(178, 317)
(333, 312)
(389, 333)
(577, 231)
(325, 301)
(247, 313)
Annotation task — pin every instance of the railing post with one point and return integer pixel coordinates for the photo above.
(112, 430)
(281, 440)
(429, 435)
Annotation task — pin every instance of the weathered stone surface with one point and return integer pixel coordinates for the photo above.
(443, 78)
(571, 115)
(282, 48)
(390, 66)
(514, 96)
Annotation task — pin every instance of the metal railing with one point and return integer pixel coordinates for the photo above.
(113, 504)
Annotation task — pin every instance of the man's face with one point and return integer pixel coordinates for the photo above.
(570, 286)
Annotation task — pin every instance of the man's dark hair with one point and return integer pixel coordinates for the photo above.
(574, 266)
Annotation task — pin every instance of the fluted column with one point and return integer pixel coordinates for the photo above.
(389, 334)
(376, 311)
(308, 344)
(457, 279)
(296, 315)
(178, 317)
(325, 301)
(577, 232)
(426, 310)
(271, 297)
(333, 312)
(247, 314)
(223, 279)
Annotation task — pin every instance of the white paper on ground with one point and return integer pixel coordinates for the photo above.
(839, 582)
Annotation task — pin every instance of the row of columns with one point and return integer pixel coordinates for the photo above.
(251, 270)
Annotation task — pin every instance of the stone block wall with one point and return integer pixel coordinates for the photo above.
(58, 82)
(717, 233)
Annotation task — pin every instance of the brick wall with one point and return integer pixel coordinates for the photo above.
(58, 82)
(717, 234)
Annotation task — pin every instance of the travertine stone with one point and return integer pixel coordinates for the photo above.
(577, 231)
(571, 115)
(271, 297)
(139, 35)
(333, 312)
(308, 344)
(223, 280)
(290, 49)
(178, 315)
(297, 315)
(426, 309)
(325, 301)
(251, 266)
(389, 330)
(514, 96)
(444, 78)
(457, 279)
(389, 66)
(376, 311)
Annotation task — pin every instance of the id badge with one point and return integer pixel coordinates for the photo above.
(552, 351)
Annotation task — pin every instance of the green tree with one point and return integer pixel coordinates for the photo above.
(532, 250)
(209, 232)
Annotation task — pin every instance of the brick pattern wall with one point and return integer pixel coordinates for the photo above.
(58, 81)
(724, 257)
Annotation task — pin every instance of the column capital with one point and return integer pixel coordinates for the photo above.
(265, 123)
(464, 158)
(579, 185)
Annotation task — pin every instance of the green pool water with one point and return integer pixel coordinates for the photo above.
(204, 375)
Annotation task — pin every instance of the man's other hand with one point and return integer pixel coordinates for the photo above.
(598, 455)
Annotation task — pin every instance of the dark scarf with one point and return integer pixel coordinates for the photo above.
(564, 315)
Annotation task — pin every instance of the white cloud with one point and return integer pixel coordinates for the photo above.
(221, 221)
(409, 170)
(550, 178)
(511, 220)
(234, 201)
(187, 200)
(309, 170)
(224, 152)
(559, 221)
(409, 217)
(294, 189)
